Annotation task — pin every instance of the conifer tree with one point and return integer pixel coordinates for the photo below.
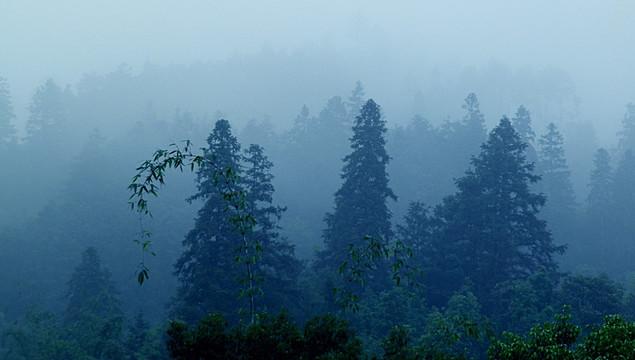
(489, 231)
(464, 137)
(559, 210)
(361, 208)
(599, 207)
(522, 124)
(206, 270)
(355, 101)
(474, 132)
(280, 269)
(95, 321)
(622, 249)
(48, 113)
(210, 275)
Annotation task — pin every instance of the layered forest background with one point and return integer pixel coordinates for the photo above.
(66, 225)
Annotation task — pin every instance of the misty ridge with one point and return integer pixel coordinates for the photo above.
(483, 192)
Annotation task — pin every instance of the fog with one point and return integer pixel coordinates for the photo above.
(391, 49)
(482, 149)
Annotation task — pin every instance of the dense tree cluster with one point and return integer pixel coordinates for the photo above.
(488, 237)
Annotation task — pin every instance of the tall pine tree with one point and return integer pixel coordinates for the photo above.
(206, 270)
(212, 271)
(361, 208)
(489, 231)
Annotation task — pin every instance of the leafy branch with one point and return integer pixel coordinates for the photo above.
(365, 259)
(151, 176)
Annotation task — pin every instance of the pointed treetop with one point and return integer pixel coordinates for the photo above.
(522, 124)
(552, 157)
(474, 119)
(355, 100)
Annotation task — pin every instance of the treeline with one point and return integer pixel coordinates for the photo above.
(487, 235)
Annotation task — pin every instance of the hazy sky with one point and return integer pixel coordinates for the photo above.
(593, 40)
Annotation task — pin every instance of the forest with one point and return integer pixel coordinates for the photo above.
(139, 223)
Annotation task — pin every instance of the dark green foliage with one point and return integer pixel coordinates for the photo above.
(591, 297)
(549, 341)
(379, 313)
(270, 337)
(361, 210)
(398, 345)
(39, 337)
(521, 304)
(328, 337)
(557, 340)
(614, 340)
(459, 331)
(209, 341)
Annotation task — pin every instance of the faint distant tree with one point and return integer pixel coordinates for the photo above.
(361, 209)
(474, 121)
(310, 159)
(559, 210)
(90, 284)
(627, 134)
(416, 233)
(184, 126)
(419, 169)
(622, 250)
(49, 113)
(94, 318)
(355, 102)
(522, 124)
(464, 137)
(333, 118)
(7, 131)
(302, 125)
(599, 207)
(591, 297)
